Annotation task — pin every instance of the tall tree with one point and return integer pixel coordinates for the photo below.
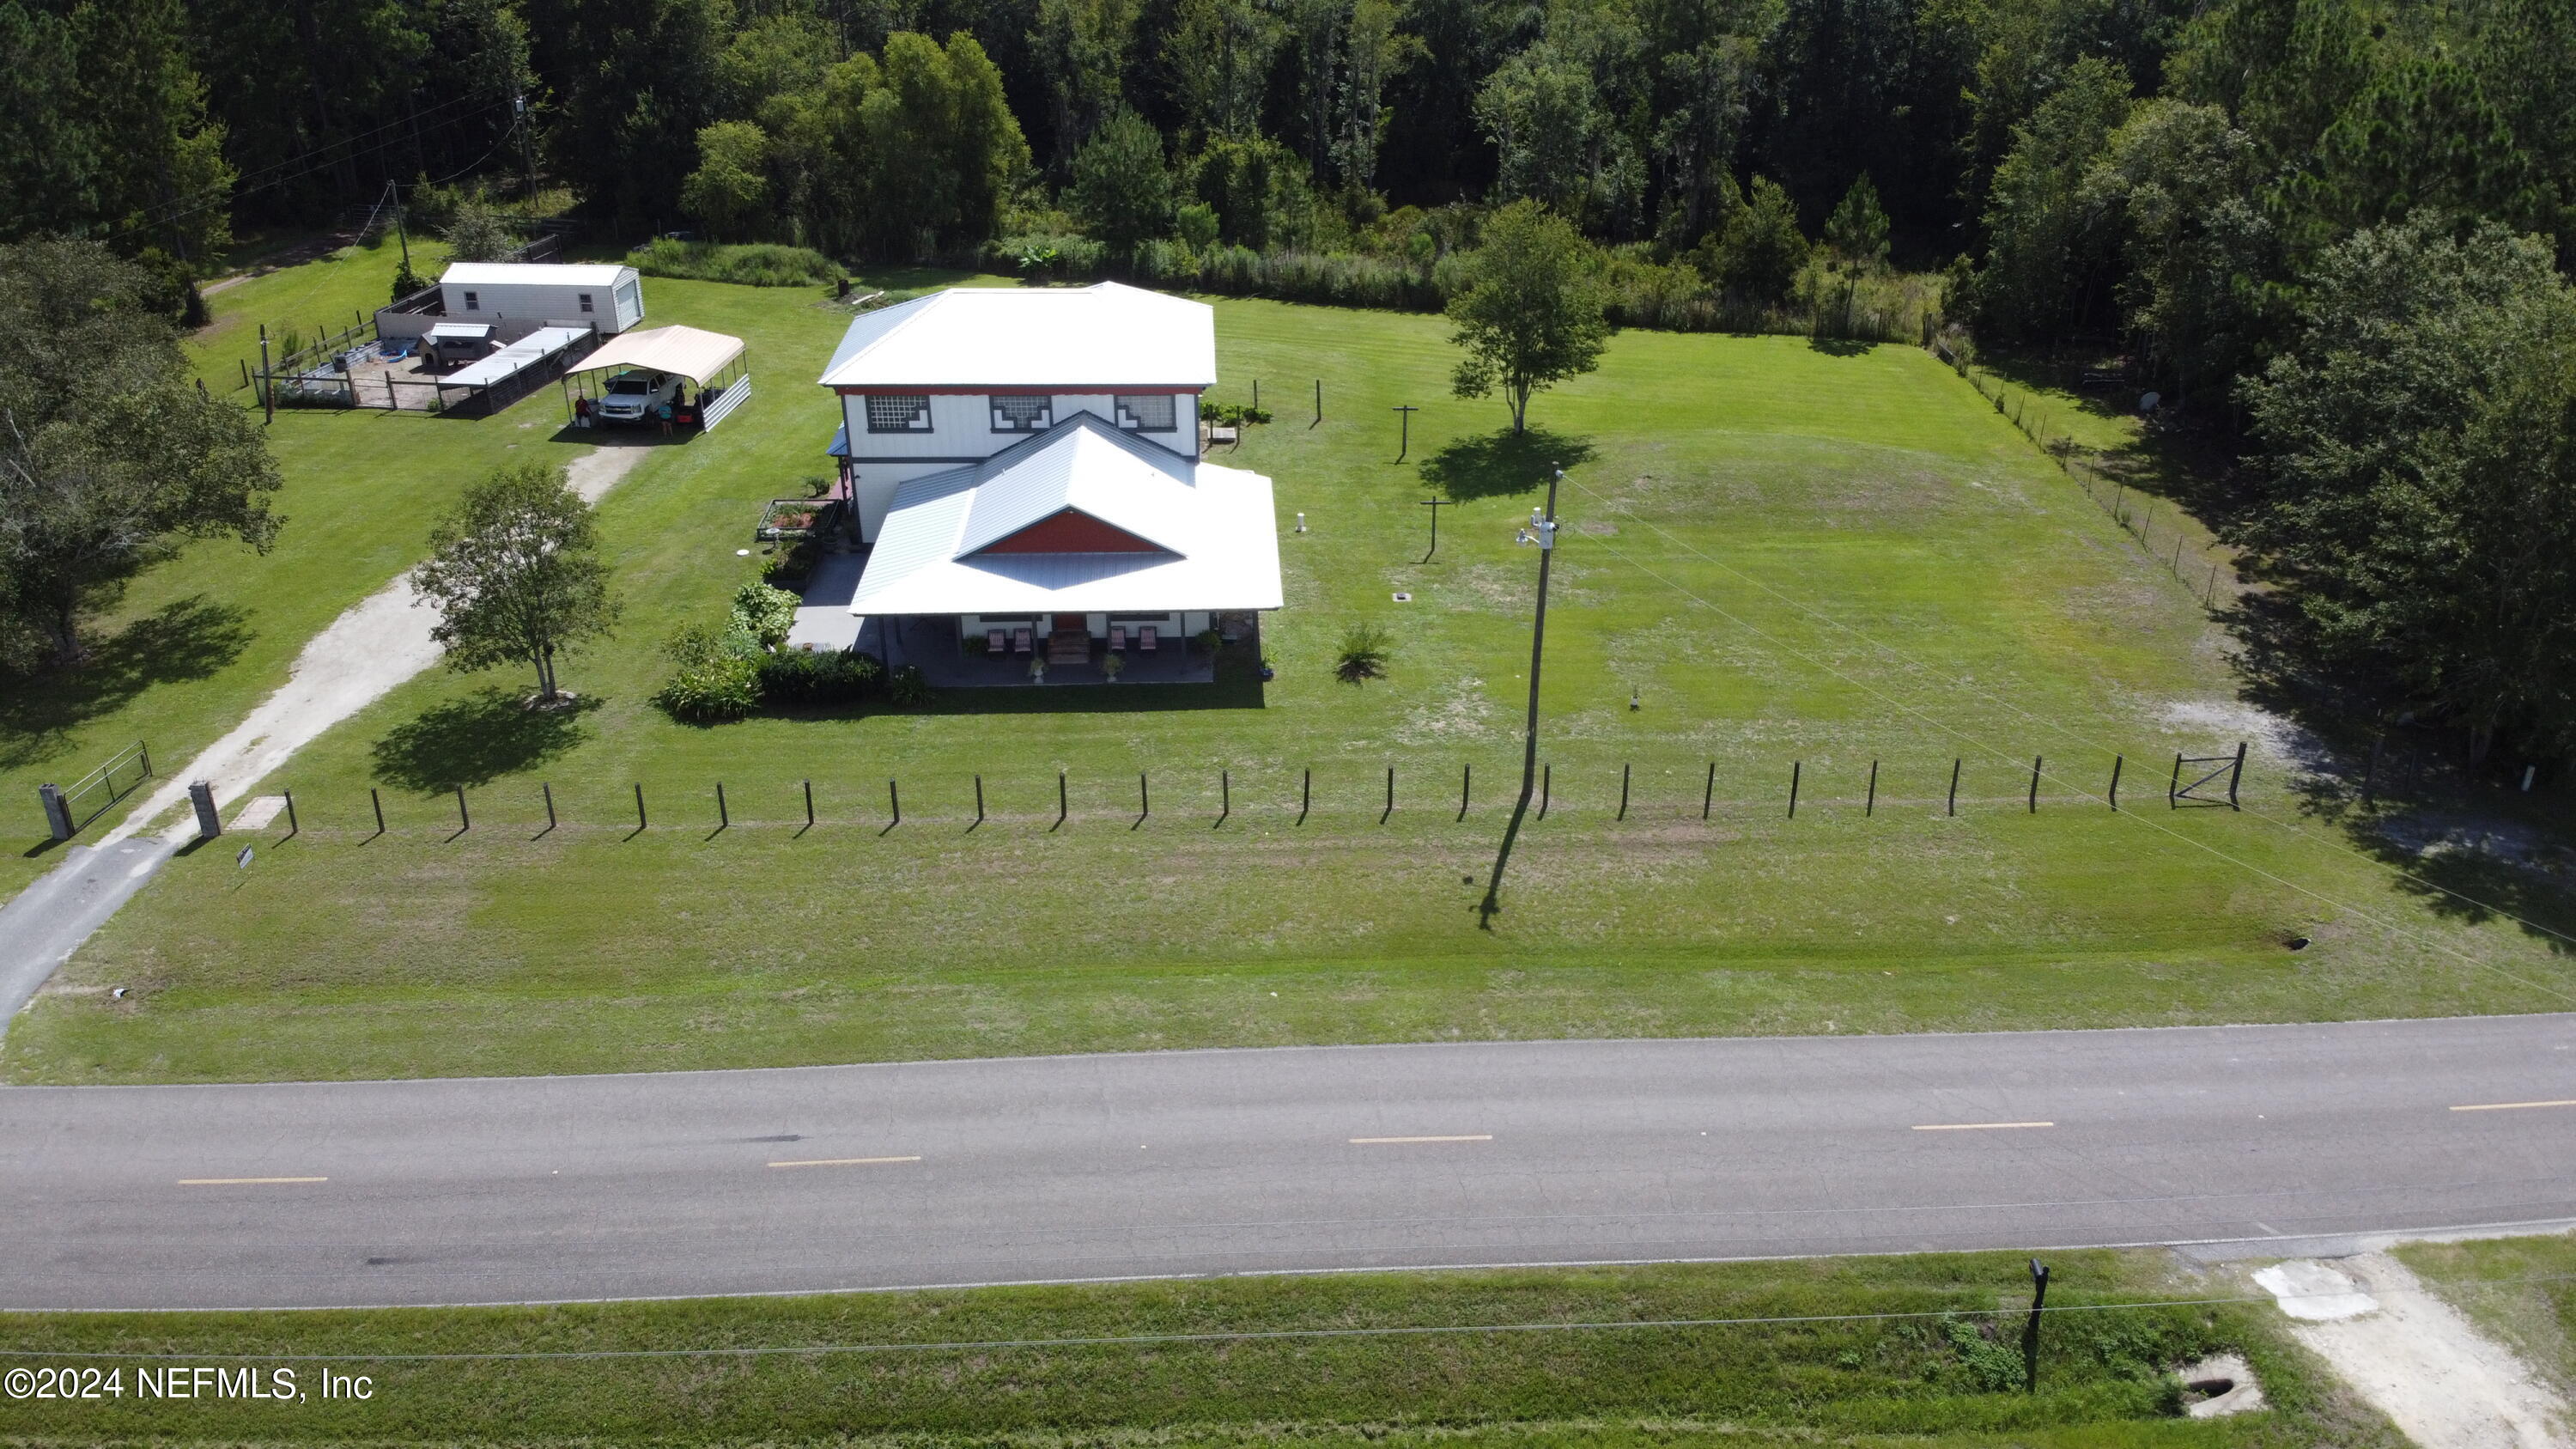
(1220, 53)
(1761, 250)
(1857, 231)
(515, 575)
(923, 148)
(109, 458)
(1706, 95)
(1532, 310)
(321, 100)
(640, 81)
(1083, 47)
(1122, 186)
(1374, 52)
(2182, 188)
(2049, 264)
(729, 192)
(2417, 466)
(104, 130)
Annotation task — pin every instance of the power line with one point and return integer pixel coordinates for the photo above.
(212, 197)
(1988, 749)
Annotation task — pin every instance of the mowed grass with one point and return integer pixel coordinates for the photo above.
(1942, 1367)
(196, 641)
(1786, 556)
(2522, 1291)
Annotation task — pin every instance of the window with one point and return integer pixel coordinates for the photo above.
(1022, 414)
(898, 413)
(472, 304)
(1149, 413)
(585, 301)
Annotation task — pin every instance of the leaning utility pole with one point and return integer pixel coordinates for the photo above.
(1541, 531)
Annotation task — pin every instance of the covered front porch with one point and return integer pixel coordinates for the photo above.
(954, 651)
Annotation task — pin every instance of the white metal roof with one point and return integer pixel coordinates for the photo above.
(525, 352)
(1217, 522)
(691, 352)
(460, 329)
(534, 274)
(1075, 338)
(1087, 465)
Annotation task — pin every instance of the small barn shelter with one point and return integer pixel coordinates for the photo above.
(716, 363)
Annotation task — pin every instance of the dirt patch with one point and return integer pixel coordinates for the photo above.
(2426, 834)
(2414, 1357)
(2274, 738)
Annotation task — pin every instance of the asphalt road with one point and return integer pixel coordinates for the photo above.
(42, 925)
(498, 1190)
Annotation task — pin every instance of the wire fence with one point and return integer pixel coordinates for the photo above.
(1343, 795)
(2136, 512)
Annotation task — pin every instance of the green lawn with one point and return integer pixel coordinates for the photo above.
(2521, 1290)
(197, 641)
(1785, 553)
(1944, 1371)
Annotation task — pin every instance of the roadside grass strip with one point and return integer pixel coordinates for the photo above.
(1924, 1347)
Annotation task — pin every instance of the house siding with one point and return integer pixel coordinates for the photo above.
(961, 431)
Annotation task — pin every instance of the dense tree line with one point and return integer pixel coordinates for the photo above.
(2247, 199)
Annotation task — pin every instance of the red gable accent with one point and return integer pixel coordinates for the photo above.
(1071, 530)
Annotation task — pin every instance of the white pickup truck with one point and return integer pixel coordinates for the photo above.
(636, 397)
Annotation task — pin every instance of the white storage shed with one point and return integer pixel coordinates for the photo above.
(604, 296)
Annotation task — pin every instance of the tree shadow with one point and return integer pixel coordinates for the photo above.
(1839, 346)
(187, 639)
(476, 740)
(1503, 463)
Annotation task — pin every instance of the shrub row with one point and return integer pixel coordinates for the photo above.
(762, 264)
(726, 674)
(1873, 306)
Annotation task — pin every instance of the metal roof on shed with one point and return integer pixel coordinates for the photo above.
(526, 352)
(534, 274)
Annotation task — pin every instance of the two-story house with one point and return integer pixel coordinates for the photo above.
(1024, 467)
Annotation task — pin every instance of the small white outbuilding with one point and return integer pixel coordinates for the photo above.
(603, 296)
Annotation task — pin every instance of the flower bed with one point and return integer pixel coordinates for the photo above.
(791, 518)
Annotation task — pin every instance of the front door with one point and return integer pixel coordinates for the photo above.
(1065, 622)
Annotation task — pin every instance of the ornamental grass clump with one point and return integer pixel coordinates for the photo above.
(1364, 654)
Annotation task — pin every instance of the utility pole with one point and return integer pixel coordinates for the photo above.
(401, 233)
(1542, 532)
(1404, 439)
(1435, 505)
(527, 152)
